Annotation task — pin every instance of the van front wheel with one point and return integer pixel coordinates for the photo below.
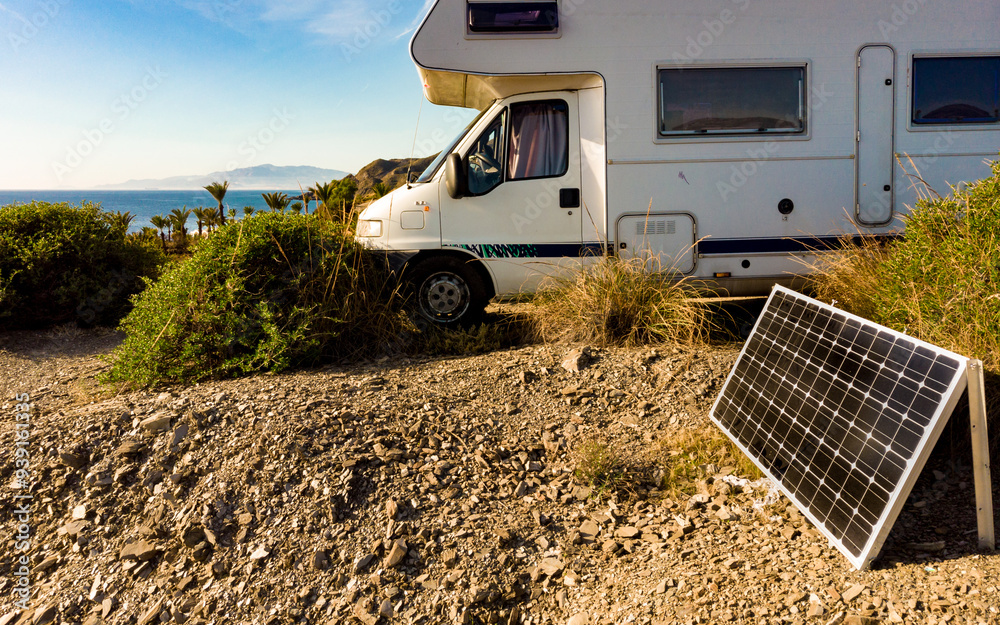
(448, 292)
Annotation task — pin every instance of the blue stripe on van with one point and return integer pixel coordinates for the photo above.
(710, 247)
(705, 247)
(531, 250)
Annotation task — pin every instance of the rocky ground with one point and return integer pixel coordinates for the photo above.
(434, 490)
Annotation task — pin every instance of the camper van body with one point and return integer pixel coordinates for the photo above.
(731, 139)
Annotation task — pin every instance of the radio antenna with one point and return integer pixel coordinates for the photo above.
(413, 148)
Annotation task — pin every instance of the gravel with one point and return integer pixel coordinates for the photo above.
(435, 490)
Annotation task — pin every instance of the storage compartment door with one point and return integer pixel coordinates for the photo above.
(875, 158)
(667, 237)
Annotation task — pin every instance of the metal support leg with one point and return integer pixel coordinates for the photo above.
(981, 456)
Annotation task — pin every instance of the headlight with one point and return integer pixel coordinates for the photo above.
(369, 228)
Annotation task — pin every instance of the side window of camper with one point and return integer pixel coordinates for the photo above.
(956, 90)
(485, 159)
(539, 140)
(731, 101)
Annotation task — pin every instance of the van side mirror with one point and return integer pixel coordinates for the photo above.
(456, 178)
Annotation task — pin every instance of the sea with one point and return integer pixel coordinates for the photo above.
(145, 204)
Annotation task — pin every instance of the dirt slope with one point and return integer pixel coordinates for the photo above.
(432, 491)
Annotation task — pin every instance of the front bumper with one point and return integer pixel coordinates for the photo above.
(395, 260)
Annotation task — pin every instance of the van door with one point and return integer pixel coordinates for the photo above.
(523, 212)
(875, 156)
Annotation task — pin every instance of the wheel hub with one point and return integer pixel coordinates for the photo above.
(445, 295)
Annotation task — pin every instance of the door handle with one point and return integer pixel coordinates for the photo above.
(569, 198)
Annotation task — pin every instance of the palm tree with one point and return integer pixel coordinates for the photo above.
(305, 198)
(325, 194)
(119, 221)
(200, 215)
(218, 191)
(297, 208)
(179, 217)
(160, 222)
(146, 234)
(248, 211)
(211, 219)
(313, 193)
(347, 191)
(276, 201)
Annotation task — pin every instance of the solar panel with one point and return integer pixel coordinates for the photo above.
(840, 412)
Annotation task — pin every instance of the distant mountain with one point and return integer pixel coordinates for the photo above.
(262, 177)
(390, 172)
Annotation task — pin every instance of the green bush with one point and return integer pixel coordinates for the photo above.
(620, 302)
(61, 263)
(940, 282)
(268, 293)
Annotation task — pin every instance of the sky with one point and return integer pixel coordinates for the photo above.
(103, 91)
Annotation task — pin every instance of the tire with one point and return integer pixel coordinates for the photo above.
(447, 292)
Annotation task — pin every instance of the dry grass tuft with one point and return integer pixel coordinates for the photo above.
(849, 276)
(685, 454)
(600, 466)
(618, 302)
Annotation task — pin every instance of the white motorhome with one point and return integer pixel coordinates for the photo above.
(729, 138)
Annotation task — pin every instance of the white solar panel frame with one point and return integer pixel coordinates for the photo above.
(950, 396)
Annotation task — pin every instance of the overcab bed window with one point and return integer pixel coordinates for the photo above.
(513, 17)
(956, 90)
(731, 101)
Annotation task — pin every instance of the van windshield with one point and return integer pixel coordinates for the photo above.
(436, 163)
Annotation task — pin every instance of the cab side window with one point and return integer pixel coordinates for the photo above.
(485, 158)
(539, 140)
(530, 140)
